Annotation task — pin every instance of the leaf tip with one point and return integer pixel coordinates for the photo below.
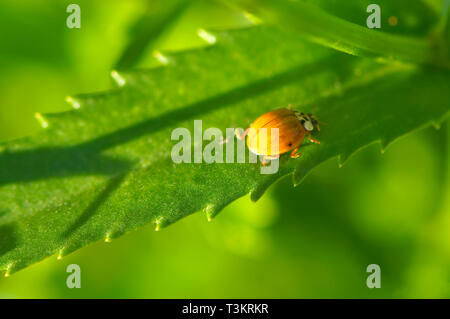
(207, 36)
(384, 143)
(161, 58)
(118, 78)
(8, 270)
(257, 192)
(436, 125)
(210, 212)
(42, 121)
(252, 18)
(108, 238)
(343, 157)
(213, 209)
(340, 161)
(60, 254)
(73, 102)
(300, 174)
(158, 223)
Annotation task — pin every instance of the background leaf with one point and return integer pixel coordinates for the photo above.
(157, 20)
(329, 30)
(105, 168)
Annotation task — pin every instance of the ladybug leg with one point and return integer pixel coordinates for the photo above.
(294, 153)
(269, 157)
(312, 139)
(239, 136)
(318, 127)
(264, 161)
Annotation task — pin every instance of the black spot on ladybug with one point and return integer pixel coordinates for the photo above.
(290, 144)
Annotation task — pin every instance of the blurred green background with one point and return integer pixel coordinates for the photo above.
(313, 241)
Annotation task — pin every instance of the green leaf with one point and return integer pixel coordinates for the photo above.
(334, 32)
(105, 168)
(416, 19)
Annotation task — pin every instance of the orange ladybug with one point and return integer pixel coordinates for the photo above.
(292, 126)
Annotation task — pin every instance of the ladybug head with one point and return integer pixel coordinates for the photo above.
(308, 121)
